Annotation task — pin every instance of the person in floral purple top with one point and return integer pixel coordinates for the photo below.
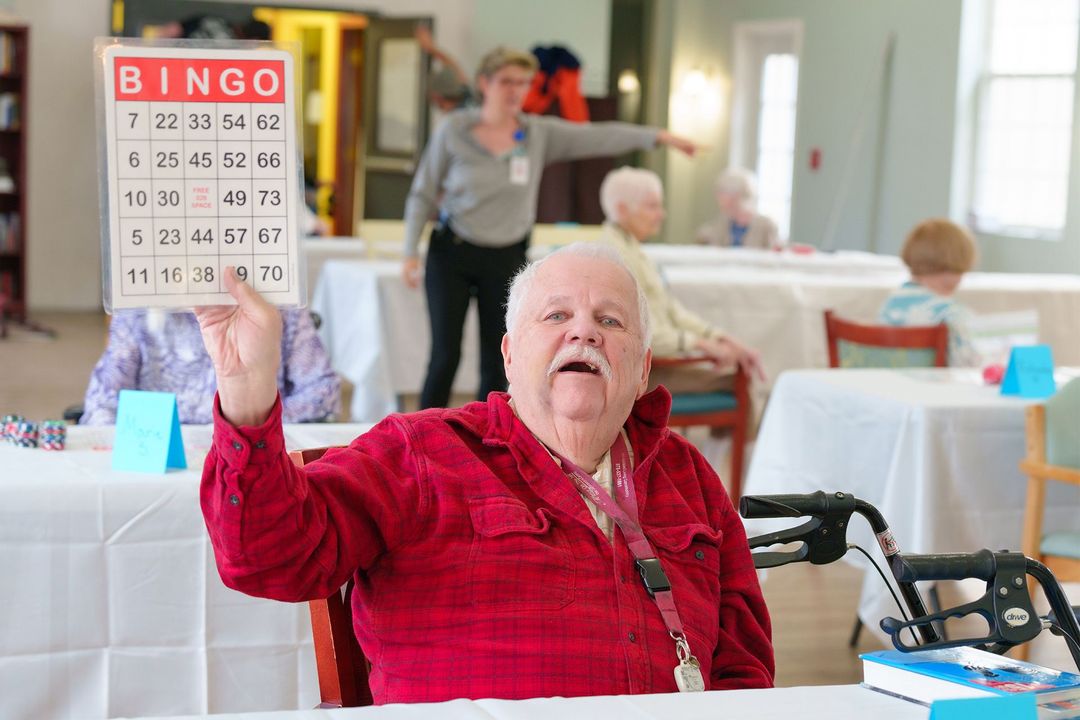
(155, 350)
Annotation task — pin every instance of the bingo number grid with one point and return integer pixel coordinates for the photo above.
(201, 152)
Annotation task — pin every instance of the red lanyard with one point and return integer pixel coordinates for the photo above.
(624, 511)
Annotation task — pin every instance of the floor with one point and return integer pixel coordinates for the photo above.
(813, 608)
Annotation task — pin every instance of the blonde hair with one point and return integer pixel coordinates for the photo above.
(938, 245)
(503, 56)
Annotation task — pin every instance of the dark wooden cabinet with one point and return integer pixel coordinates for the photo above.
(14, 56)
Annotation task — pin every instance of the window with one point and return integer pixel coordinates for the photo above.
(776, 138)
(763, 122)
(1024, 127)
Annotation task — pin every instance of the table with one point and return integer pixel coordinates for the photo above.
(845, 262)
(376, 329)
(388, 246)
(780, 312)
(113, 604)
(935, 450)
(806, 703)
(317, 250)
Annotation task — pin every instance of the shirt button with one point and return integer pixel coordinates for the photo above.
(633, 637)
(237, 446)
(699, 555)
(234, 499)
(260, 444)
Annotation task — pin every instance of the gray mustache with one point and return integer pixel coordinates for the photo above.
(580, 353)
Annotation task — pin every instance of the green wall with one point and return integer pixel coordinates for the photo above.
(840, 90)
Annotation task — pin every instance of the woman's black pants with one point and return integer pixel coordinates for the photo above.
(457, 271)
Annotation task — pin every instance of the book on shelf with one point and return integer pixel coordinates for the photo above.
(954, 673)
(9, 111)
(9, 232)
(7, 53)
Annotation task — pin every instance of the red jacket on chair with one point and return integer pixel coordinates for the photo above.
(559, 78)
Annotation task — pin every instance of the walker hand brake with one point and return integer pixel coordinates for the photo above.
(823, 537)
(1005, 606)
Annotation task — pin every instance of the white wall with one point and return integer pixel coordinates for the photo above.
(63, 231)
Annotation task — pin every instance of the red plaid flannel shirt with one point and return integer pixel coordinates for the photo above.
(479, 570)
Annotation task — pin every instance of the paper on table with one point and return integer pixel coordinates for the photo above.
(995, 334)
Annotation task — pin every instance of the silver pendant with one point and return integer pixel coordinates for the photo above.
(688, 676)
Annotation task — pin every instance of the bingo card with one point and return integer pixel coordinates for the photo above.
(201, 159)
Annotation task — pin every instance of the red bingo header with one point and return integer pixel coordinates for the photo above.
(192, 80)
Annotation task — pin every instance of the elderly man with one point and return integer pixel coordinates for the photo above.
(633, 203)
(497, 547)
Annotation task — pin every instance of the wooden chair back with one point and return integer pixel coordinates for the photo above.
(343, 669)
(736, 418)
(934, 338)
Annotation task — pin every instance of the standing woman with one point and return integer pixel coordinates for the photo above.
(481, 170)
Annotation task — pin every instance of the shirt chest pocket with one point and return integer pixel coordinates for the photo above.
(518, 559)
(691, 558)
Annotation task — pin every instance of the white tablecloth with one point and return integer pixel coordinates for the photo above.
(933, 449)
(843, 262)
(780, 312)
(376, 332)
(112, 604)
(376, 329)
(804, 703)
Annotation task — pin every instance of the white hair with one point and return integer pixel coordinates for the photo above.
(741, 183)
(521, 284)
(627, 186)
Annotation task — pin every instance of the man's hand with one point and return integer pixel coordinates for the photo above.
(726, 353)
(410, 272)
(683, 145)
(244, 343)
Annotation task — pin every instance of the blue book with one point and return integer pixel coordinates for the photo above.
(929, 675)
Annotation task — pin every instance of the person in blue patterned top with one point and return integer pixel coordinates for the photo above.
(155, 350)
(937, 252)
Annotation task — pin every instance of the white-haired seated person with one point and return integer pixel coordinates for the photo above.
(164, 352)
(633, 203)
(738, 223)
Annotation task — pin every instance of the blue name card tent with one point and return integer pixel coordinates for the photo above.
(1030, 373)
(147, 433)
(1000, 707)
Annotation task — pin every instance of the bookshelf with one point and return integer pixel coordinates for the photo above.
(14, 56)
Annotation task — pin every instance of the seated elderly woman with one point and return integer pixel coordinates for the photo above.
(738, 223)
(155, 350)
(633, 203)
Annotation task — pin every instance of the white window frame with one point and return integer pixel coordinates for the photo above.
(753, 42)
(982, 93)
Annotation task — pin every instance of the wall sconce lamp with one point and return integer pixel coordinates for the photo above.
(628, 82)
(698, 93)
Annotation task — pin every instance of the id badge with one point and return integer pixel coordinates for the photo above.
(688, 676)
(519, 170)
